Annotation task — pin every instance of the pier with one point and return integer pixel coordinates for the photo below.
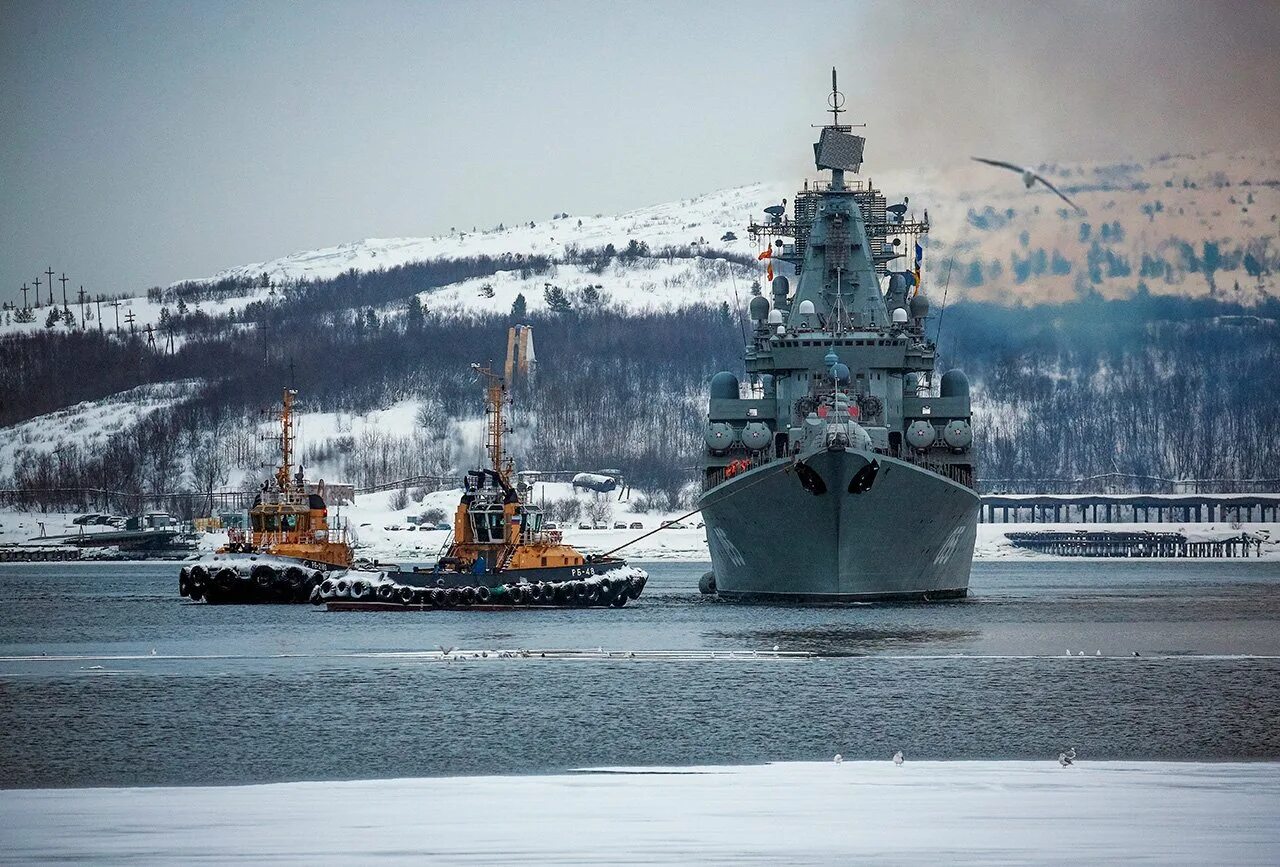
(1144, 543)
(1128, 508)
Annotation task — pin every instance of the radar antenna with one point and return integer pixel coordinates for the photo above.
(835, 100)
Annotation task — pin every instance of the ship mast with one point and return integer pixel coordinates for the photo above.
(283, 475)
(495, 401)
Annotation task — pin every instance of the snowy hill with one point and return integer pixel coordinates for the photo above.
(1181, 224)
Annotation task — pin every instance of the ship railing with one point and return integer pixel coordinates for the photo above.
(959, 473)
(742, 461)
(543, 537)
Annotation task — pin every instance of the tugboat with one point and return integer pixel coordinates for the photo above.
(499, 554)
(288, 549)
(857, 460)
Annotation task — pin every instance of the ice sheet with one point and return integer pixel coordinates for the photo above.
(793, 813)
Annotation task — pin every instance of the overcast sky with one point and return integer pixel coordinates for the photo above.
(145, 142)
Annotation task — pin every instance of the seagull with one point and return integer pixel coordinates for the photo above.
(1066, 759)
(153, 651)
(775, 648)
(1029, 178)
(838, 759)
(897, 758)
(445, 651)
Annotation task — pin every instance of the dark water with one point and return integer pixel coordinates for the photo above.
(266, 693)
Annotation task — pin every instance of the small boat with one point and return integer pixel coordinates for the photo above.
(499, 553)
(289, 548)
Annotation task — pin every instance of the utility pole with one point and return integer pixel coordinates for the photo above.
(25, 290)
(63, 280)
(82, 297)
(37, 293)
(99, 314)
(52, 303)
(151, 335)
(116, 304)
(128, 317)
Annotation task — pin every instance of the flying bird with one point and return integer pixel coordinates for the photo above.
(445, 651)
(1029, 178)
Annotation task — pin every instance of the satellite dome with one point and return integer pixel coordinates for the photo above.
(724, 385)
(841, 371)
(919, 307)
(781, 286)
(954, 384)
(897, 282)
(805, 308)
(899, 316)
(830, 358)
(758, 308)
(775, 317)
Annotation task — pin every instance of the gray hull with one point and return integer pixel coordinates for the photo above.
(909, 536)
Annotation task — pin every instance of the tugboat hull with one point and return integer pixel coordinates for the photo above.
(248, 579)
(908, 536)
(597, 584)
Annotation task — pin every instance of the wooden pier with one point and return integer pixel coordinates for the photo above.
(1144, 543)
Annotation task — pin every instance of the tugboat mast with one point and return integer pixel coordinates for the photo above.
(284, 478)
(494, 407)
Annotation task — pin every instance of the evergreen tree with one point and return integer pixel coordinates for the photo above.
(414, 319)
(519, 307)
(557, 301)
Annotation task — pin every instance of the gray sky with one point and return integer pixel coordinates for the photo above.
(145, 142)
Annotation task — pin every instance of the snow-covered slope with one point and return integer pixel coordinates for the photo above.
(90, 423)
(703, 219)
(1147, 221)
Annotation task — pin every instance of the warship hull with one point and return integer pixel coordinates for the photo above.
(908, 536)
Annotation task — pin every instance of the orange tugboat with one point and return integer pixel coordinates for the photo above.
(289, 546)
(499, 554)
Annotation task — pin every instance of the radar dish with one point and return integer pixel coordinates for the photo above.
(839, 150)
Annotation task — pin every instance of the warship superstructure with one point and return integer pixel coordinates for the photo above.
(841, 470)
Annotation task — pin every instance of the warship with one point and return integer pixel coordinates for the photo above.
(855, 459)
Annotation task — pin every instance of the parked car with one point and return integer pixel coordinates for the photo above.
(620, 525)
(600, 525)
(551, 525)
(701, 525)
(91, 518)
(584, 526)
(675, 525)
(443, 526)
(636, 525)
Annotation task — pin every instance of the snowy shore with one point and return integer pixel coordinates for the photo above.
(793, 813)
(387, 534)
